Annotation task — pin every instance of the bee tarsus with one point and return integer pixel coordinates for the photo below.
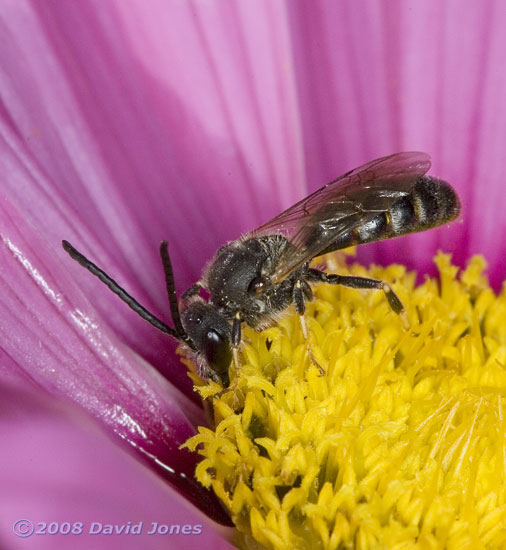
(357, 282)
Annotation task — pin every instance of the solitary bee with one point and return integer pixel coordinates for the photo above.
(254, 279)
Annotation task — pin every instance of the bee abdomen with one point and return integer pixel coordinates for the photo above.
(434, 201)
(430, 203)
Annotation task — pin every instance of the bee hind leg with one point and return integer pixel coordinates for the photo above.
(352, 281)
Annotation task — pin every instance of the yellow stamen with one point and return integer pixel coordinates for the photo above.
(399, 444)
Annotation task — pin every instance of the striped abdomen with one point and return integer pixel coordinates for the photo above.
(431, 202)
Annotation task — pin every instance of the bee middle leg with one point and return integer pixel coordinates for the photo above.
(352, 281)
(301, 294)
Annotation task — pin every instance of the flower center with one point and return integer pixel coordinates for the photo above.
(400, 444)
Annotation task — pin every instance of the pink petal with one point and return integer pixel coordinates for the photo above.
(124, 126)
(56, 342)
(58, 467)
(376, 79)
(195, 121)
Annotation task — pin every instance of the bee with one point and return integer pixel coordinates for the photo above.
(255, 278)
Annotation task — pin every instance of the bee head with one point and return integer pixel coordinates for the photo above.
(210, 333)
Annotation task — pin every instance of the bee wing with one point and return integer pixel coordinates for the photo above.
(317, 222)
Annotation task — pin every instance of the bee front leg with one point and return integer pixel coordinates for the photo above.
(236, 340)
(236, 330)
(192, 291)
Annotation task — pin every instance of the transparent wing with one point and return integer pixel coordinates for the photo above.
(328, 215)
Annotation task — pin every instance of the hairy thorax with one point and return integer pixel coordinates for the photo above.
(239, 280)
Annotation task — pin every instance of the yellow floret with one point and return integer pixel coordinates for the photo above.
(399, 444)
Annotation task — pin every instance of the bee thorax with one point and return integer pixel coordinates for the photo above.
(239, 279)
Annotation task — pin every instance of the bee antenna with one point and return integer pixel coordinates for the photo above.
(114, 286)
(171, 290)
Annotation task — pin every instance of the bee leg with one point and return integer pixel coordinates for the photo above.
(192, 291)
(351, 281)
(236, 330)
(314, 361)
(301, 294)
(236, 340)
(303, 326)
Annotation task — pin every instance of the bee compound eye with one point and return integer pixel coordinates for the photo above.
(257, 286)
(218, 354)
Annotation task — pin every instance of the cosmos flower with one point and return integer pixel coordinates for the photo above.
(122, 125)
(364, 434)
